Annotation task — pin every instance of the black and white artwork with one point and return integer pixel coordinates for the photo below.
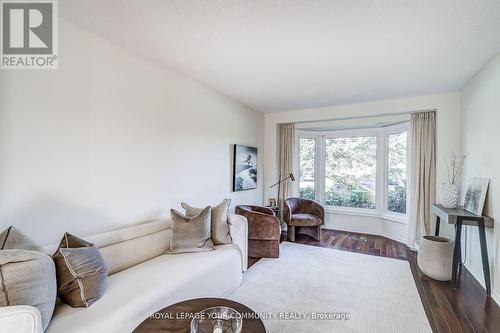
(245, 168)
(476, 194)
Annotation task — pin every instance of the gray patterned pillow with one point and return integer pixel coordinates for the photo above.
(190, 234)
(28, 276)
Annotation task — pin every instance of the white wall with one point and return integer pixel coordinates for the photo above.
(111, 139)
(480, 128)
(448, 141)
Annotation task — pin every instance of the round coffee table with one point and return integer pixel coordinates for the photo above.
(175, 318)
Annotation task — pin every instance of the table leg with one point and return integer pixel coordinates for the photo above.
(484, 256)
(456, 253)
(438, 222)
(459, 254)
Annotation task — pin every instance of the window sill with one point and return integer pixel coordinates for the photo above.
(352, 211)
(395, 218)
(367, 213)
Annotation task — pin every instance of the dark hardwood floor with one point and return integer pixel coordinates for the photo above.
(464, 309)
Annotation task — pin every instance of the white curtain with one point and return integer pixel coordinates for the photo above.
(422, 176)
(286, 133)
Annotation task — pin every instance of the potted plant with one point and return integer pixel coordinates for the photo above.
(448, 194)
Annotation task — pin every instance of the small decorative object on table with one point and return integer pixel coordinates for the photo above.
(217, 319)
(448, 194)
(476, 195)
(272, 202)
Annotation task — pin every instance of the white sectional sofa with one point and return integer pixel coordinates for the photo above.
(142, 279)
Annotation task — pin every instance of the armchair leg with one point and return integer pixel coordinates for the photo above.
(291, 233)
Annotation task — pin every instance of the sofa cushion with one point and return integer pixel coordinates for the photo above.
(190, 234)
(220, 227)
(81, 272)
(20, 319)
(305, 220)
(133, 294)
(27, 276)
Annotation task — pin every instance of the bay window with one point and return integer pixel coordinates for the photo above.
(355, 171)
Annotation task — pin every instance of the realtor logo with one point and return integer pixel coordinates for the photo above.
(29, 34)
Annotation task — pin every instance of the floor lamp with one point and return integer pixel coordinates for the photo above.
(292, 178)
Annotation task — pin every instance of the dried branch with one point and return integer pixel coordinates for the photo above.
(455, 168)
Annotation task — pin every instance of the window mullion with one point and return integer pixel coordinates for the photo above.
(379, 168)
(384, 172)
(320, 169)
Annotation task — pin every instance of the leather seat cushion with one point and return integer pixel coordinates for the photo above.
(305, 220)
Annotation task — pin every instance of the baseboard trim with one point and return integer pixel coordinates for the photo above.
(495, 295)
(394, 238)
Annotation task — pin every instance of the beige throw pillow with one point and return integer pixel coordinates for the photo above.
(81, 272)
(27, 275)
(220, 227)
(190, 234)
(12, 238)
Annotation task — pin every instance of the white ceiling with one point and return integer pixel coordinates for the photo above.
(276, 55)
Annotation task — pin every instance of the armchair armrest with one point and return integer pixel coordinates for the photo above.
(20, 319)
(238, 229)
(317, 210)
(262, 226)
(254, 209)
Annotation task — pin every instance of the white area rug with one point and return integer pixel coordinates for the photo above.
(379, 294)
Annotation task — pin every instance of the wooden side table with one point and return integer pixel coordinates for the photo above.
(169, 319)
(275, 209)
(459, 217)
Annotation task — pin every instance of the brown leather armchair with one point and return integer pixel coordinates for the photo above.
(264, 231)
(303, 216)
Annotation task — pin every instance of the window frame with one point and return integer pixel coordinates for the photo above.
(386, 213)
(317, 152)
(353, 134)
(382, 169)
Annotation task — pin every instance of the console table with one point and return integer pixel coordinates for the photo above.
(459, 217)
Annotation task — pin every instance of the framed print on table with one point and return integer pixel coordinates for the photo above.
(476, 195)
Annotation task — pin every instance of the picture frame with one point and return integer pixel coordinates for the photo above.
(475, 194)
(245, 165)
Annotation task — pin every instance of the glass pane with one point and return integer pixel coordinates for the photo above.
(351, 171)
(396, 192)
(307, 166)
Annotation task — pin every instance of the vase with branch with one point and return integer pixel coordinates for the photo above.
(448, 194)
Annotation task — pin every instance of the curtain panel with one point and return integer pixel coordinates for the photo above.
(422, 176)
(286, 142)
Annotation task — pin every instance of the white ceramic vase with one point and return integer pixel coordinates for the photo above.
(448, 195)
